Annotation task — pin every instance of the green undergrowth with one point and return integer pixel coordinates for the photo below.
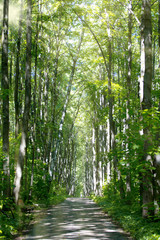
(129, 217)
(14, 220)
(56, 196)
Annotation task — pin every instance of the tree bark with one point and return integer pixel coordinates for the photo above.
(111, 102)
(145, 99)
(157, 156)
(5, 106)
(26, 114)
(17, 77)
(34, 110)
(128, 177)
(94, 159)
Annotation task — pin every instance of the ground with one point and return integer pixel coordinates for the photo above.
(75, 218)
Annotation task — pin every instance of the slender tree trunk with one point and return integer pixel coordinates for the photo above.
(109, 162)
(86, 188)
(17, 77)
(101, 154)
(5, 92)
(98, 165)
(154, 59)
(110, 101)
(54, 98)
(128, 177)
(34, 110)
(94, 160)
(157, 156)
(145, 99)
(23, 144)
(11, 64)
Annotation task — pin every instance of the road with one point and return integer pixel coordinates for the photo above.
(75, 218)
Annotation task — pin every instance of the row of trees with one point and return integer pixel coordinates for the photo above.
(38, 67)
(123, 147)
(80, 100)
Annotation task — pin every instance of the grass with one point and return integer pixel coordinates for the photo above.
(129, 217)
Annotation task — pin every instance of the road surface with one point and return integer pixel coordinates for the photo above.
(76, 219)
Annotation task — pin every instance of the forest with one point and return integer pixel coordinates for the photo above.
(80, 107)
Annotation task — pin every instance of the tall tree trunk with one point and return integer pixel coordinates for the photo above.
(109, 162)
(110, 101)
(17, 77)
(145, 99)
(54, 98)
(157, 156)
(86, 187)
(94, 159)
(34, 110)
(128, 177)
(23, 144)
(11, 63)
(5, 92)
(98, 162)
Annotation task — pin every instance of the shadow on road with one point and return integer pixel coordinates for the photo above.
(76, 218)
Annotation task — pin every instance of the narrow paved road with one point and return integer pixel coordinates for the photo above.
(76, 218)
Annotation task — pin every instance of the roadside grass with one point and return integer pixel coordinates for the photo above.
(129, 218)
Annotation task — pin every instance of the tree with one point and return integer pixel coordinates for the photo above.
(17, 78)
(145, 99)
(5, 91)
(26, 114)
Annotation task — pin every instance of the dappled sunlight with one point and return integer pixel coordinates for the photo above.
(76, 218)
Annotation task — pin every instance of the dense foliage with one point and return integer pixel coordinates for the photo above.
(129, 217)
(80, 103)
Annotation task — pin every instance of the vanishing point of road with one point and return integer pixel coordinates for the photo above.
(76, 219)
